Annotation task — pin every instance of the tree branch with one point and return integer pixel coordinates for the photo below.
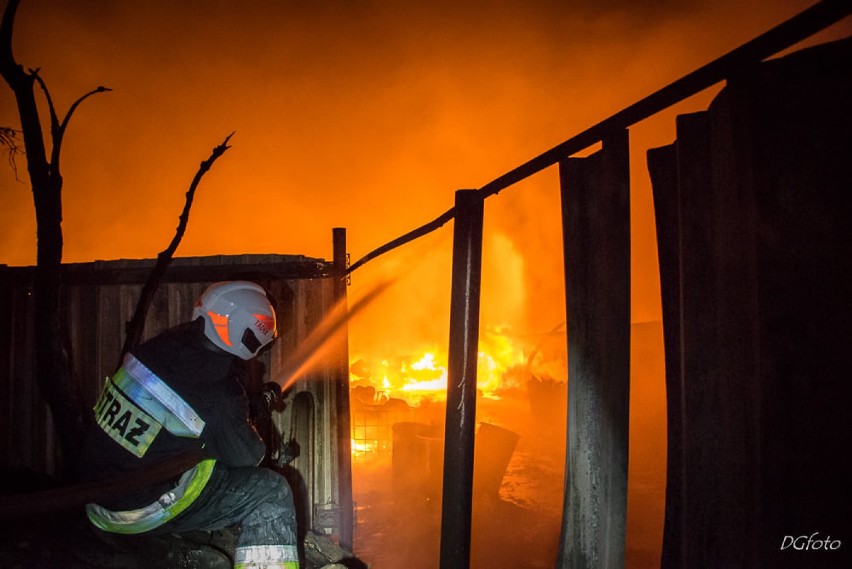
(136, 325)
(7, 60)
(57, 141)
(21, 84)
(57, 129)
(9, 139)
(54, 120)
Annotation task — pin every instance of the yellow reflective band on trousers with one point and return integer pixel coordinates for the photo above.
(284, 565)
(169, 505)
(266, 557)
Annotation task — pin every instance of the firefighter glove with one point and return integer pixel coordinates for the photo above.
(265, 401)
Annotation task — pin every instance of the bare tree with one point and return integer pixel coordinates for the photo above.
(52, 367)
(51, 358)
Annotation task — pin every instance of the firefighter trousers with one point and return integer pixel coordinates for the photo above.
(257, 500)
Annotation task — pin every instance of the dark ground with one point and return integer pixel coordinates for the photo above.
(68, 541)
(64, 539)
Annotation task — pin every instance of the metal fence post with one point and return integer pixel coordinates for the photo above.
(344, 446)
(461, 385)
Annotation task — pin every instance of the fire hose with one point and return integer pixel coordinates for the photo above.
(18, 506)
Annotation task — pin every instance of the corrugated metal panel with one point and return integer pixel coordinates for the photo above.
(100, 297)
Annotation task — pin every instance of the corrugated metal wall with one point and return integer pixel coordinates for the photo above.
(100, 297)
(753, 218)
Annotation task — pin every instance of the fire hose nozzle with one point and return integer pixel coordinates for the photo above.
(266, 400)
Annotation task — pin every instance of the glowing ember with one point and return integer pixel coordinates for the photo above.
(360, 447)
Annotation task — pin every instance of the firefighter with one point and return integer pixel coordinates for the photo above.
(178, 392)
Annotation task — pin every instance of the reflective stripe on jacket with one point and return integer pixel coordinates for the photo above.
(136, 404)
(169, 505)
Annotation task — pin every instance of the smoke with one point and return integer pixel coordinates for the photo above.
(359, 114)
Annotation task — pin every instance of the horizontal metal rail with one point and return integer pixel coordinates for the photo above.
(799, 27)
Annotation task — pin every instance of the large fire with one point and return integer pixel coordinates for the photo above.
(387, 390)
(423, 374)
(398, 424)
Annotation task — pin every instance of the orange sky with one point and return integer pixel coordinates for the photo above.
(362, 114)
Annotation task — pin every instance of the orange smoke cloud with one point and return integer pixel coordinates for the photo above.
(339, 110)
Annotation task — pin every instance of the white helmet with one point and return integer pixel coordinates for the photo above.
(238, 317)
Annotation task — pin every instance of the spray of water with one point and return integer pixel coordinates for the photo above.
(314, 347)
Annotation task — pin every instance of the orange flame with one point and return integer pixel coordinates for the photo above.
(424, 375)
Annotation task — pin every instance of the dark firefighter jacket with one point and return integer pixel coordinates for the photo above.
(205, 378)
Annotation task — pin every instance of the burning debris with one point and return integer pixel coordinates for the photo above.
(398, 408)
